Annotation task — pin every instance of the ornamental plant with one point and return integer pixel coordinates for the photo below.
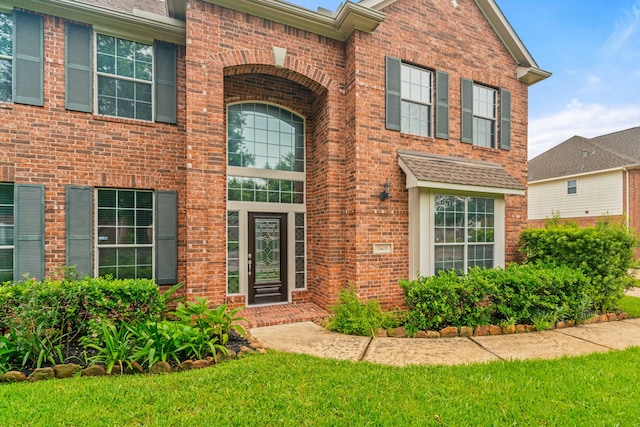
(604, 253)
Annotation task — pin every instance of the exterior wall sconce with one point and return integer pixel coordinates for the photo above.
(384, 195)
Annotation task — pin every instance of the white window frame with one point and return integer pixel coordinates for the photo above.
(97, 74)
(408, 97)
(571, 187)
(421, 227)
(480, 115)
(96, 241)
(465, 244)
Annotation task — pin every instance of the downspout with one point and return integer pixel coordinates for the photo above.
(626, 195)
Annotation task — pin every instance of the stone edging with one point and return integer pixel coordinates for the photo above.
(479, 331)
(70, 370)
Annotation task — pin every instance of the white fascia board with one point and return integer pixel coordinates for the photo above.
(528, 70)
(578, 175)
(338, 26)
(140, 25)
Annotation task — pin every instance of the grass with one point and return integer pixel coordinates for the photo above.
(287, 389)
(631, 305)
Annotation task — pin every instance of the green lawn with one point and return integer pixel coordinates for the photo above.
(631, 305)
(284, 389)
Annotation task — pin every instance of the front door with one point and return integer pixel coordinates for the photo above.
(267, 258)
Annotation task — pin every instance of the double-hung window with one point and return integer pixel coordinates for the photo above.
(416, 103)
(484, 116)
(124, 71)
(6, 56)
(414, 97)
(464, 230)
(125, 232)
(572, 186)
(113, 76)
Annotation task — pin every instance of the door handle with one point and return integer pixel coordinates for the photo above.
(249, 263)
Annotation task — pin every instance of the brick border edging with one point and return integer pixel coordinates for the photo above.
(71, 370)
(479, 331)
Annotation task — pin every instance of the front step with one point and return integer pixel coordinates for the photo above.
(280, 314)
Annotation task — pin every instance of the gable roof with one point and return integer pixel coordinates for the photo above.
(365, 16)
(579, 155)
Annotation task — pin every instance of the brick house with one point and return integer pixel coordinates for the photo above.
(258, 151)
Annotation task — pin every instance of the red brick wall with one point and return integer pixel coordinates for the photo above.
(462, 43)
(350, 153)
(51, 146)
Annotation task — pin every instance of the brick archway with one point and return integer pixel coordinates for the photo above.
(260, 61)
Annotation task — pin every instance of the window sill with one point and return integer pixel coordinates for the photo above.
(6, 105)
(115, 119)
(418, 137)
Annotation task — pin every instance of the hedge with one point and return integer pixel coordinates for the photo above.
(519, 293)
(604, 253)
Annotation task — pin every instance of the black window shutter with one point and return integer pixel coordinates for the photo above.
(466, 131)
(393, 101)
(29, 231)
(442, 105)
(78, 72)
(167, 237)
(505, 119)
(165, 79)
(28, 60)
(79, 229)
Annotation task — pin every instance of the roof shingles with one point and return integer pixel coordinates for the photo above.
(455, 170)
(579, 155)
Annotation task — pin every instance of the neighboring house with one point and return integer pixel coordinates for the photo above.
(258, 151)
(586, 179)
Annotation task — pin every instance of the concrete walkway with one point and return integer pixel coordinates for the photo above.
(309, 338)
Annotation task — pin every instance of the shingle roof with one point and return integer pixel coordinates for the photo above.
(457, 170)
(154, 6)
(579, 155)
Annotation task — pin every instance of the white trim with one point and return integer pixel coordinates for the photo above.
(576, 175)
(145, 25)
(421, 236)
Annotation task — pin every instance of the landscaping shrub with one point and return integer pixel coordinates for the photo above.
(447, 300)
(352, 316)
(67, 306)
(519, 293)
(40, 319)
(604, 253)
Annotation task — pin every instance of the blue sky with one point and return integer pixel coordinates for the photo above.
(592, 47)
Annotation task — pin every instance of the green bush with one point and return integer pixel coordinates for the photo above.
(40, 318)
(604, 253)
(67, 306)
(447, 300)
(519, 293)
(352, 316)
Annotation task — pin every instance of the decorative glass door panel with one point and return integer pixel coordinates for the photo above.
(267, 258)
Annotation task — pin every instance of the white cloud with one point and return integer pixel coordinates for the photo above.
(594, 80)
(587, 120)
(625, 29)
